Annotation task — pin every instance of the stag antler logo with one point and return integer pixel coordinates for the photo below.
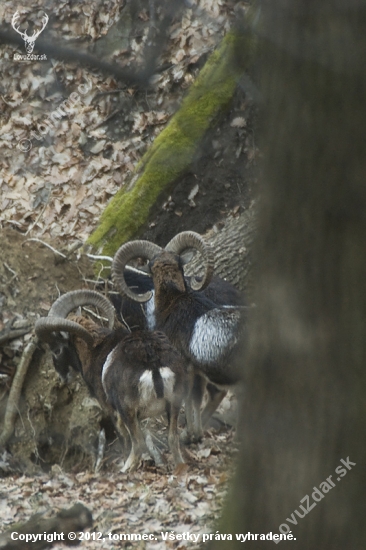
(29, 40)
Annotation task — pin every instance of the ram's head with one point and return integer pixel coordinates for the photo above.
(164, 264)
(60, 333)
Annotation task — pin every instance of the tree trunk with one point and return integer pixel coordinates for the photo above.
(232, 245)
(303, 426)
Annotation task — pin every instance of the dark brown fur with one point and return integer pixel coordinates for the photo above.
(135, 353)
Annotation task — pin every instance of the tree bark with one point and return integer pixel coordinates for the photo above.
(305, 409)
(232, 245)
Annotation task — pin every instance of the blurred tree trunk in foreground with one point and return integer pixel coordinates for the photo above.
(305, 404)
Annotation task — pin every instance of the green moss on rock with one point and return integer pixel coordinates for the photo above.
(173, 150)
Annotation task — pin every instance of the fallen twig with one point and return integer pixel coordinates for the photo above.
(109, 117)
(11, 270)
(48, 246)
(93, 314)
(94, 257)
(10, 333)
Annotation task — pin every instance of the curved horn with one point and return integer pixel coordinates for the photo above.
(127, 252)
(71, 300)
(190, 239)
(46, 325)
(57, 322)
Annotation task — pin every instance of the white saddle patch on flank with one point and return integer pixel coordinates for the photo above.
(150, 312)
(214, 334)
(107, 364)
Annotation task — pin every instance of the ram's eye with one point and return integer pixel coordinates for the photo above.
(57, 352)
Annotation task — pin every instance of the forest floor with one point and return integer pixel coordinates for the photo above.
(149, 501)
(53, 195)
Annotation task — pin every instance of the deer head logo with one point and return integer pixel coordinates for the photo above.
(29, 40)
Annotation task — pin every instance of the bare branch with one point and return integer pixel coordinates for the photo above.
(14, 395)
(47, 245)
(133, 77)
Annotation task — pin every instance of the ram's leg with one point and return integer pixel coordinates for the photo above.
(198, 390)
(173, 437)
(215, 396)
(239, 392)
(122, 432)
(188, 431)
(153, 450)
(194, 432)
(100, 451)
(121, 428)
(137, 441)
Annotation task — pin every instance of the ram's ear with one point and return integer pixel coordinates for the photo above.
(187, 255)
